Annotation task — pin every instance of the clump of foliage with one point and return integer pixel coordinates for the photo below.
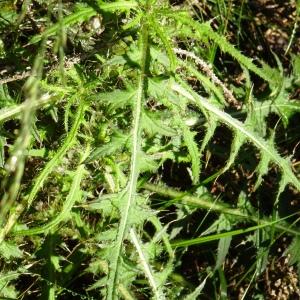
(139, 149)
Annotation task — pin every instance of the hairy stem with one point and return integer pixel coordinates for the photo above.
(134, 170)
(206, 202)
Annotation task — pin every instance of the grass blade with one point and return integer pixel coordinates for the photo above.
(214, 237)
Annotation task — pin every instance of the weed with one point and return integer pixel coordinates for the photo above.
(121, 96)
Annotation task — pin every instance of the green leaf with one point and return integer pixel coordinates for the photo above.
(157, 292)
(224, 243)
(130, 193)
(9, 250)
(147, 163)
(203, 31)
(68, 143)
(209, 238)
(197, 291)
(73, 196)
(118, 141)
(83, 14)
(105, 203)
(194, 152)
(157, 123)
(160, 89)
(7, 290)
(243, 131)
(116, 99)
(166, 42)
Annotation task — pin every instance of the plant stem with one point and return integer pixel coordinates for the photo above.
(134, 169)
(12, 112)
(206, 202)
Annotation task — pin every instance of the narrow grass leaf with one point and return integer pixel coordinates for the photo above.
(224, 243)
(210, 238)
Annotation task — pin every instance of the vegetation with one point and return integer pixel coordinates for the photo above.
(149, 149)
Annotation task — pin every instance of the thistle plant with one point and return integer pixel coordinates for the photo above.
(97, 137)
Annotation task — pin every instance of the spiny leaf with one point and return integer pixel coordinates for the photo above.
(238, 141)
(129, 198)
(204, 31)
(153, 123)
(211, 126)
(280, 104)
(163, 233)
(239, 127)
(190, 143)
(116, 99)
(166, 42)
(263, 165)
(197, 291)
(140, 213)
(84, 13)
(160, 89)
(59, 154)
(118, 141)
(158, 294)
(9, 250)
(73, 196)
(105, 204)
(147, 163)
